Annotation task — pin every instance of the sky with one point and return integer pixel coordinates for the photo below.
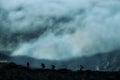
(59, 29)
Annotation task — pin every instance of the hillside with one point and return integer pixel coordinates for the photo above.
(108, 61)
(11, 71)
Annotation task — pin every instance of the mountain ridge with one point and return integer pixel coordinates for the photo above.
(102, 61)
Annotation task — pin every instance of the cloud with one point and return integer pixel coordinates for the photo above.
(60, 29)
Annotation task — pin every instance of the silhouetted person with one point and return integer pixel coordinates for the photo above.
(53, 67)
(81, 67)
(43, 66)
(28, 64)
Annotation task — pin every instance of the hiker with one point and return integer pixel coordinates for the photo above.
(43, 66)
(28, 64)
(53, 67)
(81, 67)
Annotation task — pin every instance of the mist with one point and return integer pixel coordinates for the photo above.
(58, 29)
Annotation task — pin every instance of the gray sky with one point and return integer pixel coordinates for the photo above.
(59, 29)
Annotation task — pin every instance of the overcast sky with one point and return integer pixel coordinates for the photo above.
(59, 29)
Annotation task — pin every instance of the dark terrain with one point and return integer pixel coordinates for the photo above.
(11, 71)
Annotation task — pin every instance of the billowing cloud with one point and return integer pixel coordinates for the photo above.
(60, 29)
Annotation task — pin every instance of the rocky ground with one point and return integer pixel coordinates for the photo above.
(11, 71)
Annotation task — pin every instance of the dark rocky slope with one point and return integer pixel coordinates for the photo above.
(11, 71)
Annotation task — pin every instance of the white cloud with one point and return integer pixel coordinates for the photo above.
(96, 24)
